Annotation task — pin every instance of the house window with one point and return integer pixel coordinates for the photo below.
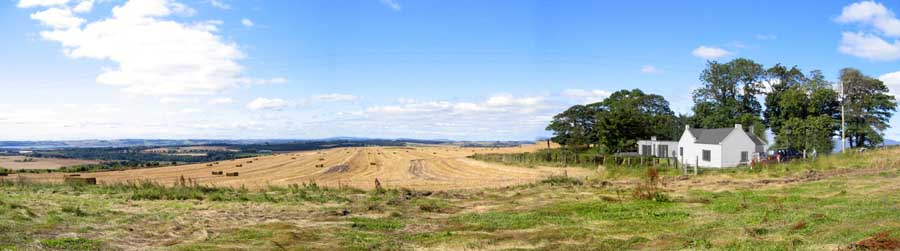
(663, 151)
(681, 151)
(645, 150)
(707, 155)
(745, 156)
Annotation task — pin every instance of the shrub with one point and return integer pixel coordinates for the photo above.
(557, 180)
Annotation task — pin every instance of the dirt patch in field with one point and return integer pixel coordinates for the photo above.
(879, 241)
(342, 168)
(417, 169)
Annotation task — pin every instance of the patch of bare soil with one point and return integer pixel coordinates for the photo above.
(417, 169)
(342, 168)
(879, 241)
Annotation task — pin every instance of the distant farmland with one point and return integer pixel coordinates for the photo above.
(422, 167)
(29, 163)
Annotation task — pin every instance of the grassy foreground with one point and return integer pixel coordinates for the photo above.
(845, 202)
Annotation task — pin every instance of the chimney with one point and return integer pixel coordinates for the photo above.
(750, 129)
(653, 138)
(738, 126)
(687, 127)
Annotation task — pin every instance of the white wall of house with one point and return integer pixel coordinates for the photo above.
(688, 150)
(694, 156)
(725, 154)
(671, 147)
(735, 143)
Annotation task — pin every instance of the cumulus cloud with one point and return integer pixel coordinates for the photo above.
(649, 69)
(219, 4)
(335, 97)
(498, 116)
(869, 46)
(706, 52)
(500, 103)
(174, 100)
(153, 55)
(246, 22)
(58, 18)
(874, 42)
(84, 6)
(892, 80)
(267, 104)
(586, 96)
(41, 3)
(393, 4)
(220, 101)
(873, 14)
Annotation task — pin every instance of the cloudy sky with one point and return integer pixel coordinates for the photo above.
(473, 70)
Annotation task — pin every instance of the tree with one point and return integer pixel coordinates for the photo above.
(574, 126)
(868, 106)
(728, 95)
(801, 111)
(627, 116)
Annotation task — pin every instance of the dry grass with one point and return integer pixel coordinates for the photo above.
(16, 163)
(436, 168)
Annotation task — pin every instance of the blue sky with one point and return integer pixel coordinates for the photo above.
(473, 70)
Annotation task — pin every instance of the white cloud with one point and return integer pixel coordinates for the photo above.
(500, 103)
(190, 110)
(705, 52)
(220, 101)
(335, 97)
(247, 22)
(84, 6)
(649, 69)
(153, 55)
(267, 104)
(58, 18)
(865, 43)
(586, 96)
(41, 3)
(869, 46)
(892, 81)
(393, 4)
(872, 14)
(174, 100)
(219, 4)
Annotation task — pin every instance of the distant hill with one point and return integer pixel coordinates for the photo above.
(887, 142)
(58, 144)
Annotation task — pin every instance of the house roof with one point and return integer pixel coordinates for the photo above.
(715, 136)
(756, 140)
(711, 136)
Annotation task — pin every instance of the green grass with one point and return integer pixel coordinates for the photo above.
(559, 213)
(72, 244)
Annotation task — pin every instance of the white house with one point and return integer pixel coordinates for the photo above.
(657, 148)
(719, 147)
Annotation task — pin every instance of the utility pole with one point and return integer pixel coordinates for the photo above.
(843, 121)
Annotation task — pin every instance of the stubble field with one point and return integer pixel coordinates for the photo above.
(422, 168)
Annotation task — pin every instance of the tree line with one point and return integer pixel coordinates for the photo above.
(803, 110)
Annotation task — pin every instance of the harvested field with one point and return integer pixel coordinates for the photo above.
(421, 168)
(17, 163)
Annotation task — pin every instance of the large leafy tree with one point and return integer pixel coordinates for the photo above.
(868, 107)
(617, 122)
(728, 95)
(574, 127)
(801, 110)
(629, 115)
